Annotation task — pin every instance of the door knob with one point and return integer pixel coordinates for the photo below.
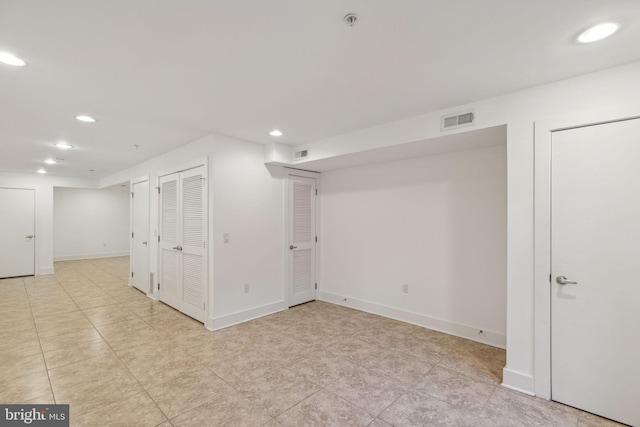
(178, 248)
(292, 247)
(144, 243)
(561, 280)
(29, 237)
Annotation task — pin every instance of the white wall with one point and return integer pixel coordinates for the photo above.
(245, 201)
(43, 186)
(610, 89)
(438, 224)
(90, 223)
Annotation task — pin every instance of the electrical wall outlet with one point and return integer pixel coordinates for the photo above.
(246, 288)
(405, 288)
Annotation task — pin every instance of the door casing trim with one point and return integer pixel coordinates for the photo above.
(543, 133)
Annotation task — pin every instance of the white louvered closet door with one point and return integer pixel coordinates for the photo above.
(302, 240)
(183, 217)
(169, 276)
(193, 292)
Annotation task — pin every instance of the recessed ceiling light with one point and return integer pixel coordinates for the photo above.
(42, 171)
(50, 161)
(63, 145)
(598, 32)
(275, 132)
(9, 59)
(87, 119)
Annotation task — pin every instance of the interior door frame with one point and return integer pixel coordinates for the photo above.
(287, 238)
(132, 182)
(208, 232)
(35, 224)
(543, 134)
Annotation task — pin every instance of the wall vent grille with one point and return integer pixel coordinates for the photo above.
(457, 121)
(302, 154)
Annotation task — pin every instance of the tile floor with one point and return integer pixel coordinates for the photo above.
(85, 338)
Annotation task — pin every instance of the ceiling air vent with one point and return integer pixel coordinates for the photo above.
(457, 121)
(302, 154)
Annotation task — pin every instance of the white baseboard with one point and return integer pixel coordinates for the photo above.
(45, 271)
(494, 339)
(244, 316)
(90, 256)
(518, 381)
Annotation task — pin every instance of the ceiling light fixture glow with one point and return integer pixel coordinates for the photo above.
(63, 145)
(275, 132)
(86, 119)
(598, 32)
(10, 59)
(50, 161)
(42, 171)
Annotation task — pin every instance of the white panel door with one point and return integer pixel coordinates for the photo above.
(140, 236)
(183, 216)
(302, 240)
(17, 236)
(169, 245)
(595, 235)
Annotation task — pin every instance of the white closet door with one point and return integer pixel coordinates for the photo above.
(302, 238)
(17, 236)
(193, 217)
(169, 277)
(140, 235)
(595, 269)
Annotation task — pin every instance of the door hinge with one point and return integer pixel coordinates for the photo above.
(132, 194)
(158, 286)
(549, 277)
(316, 191)
(316, 286)
(158, 238)
(132, 274)
(132, 234)
(158, 188)
(316, 239)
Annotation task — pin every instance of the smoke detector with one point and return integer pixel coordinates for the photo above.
(350, 19)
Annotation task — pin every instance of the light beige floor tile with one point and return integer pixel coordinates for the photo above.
(508, 408)
(21, 366)
(356, 350)
(128, 334)
(109, 314)
(379, 423)
(137, 410)
(230, 409)
(76, 353)
(62, 322)
(242, 367)
(324, 409)
(22, 344)
(367, 390)
(402, 367)
(416, 410)
(90, 391)
(57, 340)
(23, 388)
(455, 389)
(473, 365)
(278, 390)
(188, 391)
(41, 400)
(323, 369)
(591, 420)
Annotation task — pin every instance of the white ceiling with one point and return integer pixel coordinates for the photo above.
(161, 73)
